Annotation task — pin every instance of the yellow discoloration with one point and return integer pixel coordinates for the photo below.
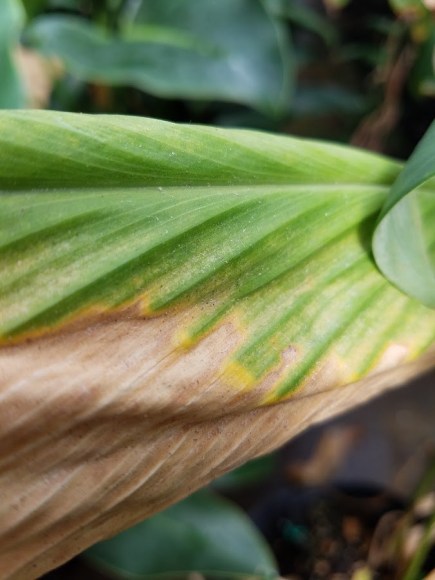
(79, 319)
(145, 307)
(115, 410)
(138, 307)
(271, 399)
(184, 339)
(238, 376)
(327, 373)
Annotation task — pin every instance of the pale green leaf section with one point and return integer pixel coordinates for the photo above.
(404, 241)
(269, 234)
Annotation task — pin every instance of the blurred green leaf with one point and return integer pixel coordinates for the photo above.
(251, 473)
(304, 16)
(404, 241)
(203, 533)
(12, 94)
(315, 100)
(228, 50)
(423, 74)
(34, 7)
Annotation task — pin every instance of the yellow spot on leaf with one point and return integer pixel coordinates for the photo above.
(239, 376)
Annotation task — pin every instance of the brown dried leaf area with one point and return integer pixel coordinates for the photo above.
(38, 75)
(102, 426)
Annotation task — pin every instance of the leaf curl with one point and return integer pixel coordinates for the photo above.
(404, 240)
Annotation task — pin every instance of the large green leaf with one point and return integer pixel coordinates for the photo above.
(11, 88)
(404, 242)
(203, 533)
(200, 49)
(161, 286)
(268, 232)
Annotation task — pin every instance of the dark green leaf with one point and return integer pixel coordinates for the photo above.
(306, 17)
(315, 100)
(423, 73)
(251, 473)
(199, 49)
(202, 533)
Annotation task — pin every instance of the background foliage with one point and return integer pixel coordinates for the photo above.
(341, 70)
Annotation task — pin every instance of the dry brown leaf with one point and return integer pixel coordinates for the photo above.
(38, 74)
(103, 426)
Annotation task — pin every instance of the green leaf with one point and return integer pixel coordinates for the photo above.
(305, 17)
(161, 286)
(251, 473)
(423, 72)
(11, 20)
(198, 49)
(34, 7)
(270, 234)
(404, 241)
(316, 100)
(203, 533)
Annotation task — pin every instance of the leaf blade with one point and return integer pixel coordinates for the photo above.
(204, 533)
(140, 357)
(207, 218)
(404, 243)
(231, 51)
